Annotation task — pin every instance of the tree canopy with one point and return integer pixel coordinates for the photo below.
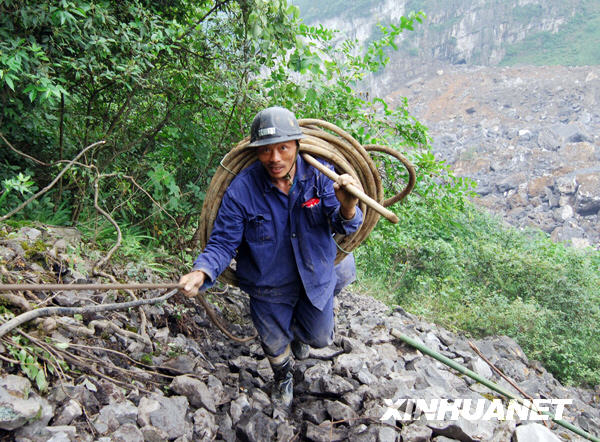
(170, 87)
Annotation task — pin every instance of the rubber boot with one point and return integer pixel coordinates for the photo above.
(300, 349)
(283, 388)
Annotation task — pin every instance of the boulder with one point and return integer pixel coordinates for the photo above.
(587, 199)
(114, 415)
(534, 433)
(165, 413)
(205, 427)
(195, 391)
(416, 432)
(20, 406)
(128, 433)
(255, 426)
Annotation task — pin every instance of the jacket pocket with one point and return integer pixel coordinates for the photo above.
(313, 208)
(259, 229)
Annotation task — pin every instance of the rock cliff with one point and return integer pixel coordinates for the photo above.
(472, 32)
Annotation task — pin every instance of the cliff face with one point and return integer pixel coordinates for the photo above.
(454, 32)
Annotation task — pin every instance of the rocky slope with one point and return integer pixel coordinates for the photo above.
(529, 136)
(188, 382)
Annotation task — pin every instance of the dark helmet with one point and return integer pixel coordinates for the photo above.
(274, 125)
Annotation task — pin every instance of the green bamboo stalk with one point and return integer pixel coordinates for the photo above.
(450, 363)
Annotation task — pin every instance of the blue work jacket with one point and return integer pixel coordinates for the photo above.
(281, 240)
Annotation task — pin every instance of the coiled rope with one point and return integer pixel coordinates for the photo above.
(329, 142)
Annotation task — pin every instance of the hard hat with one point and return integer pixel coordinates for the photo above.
(274, 125)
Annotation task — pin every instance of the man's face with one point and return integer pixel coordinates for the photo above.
(277, 158)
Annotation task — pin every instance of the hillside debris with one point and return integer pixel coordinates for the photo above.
(195, 384)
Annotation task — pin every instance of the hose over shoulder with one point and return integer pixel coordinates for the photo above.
(326, 141)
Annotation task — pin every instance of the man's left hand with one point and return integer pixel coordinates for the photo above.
(347, 201)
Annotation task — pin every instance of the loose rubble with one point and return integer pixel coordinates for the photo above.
(195, 384)
(529, 136)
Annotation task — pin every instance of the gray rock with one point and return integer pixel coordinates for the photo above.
(547, 140)
(153, 434)
(317, 372)
(430, 376)
(260, 400)
(264, 370)
(313, 411)
(20, 406)
(416, 432)
(285, 432)
(16, 386)
(354, 399)
(15, 246)
(588, 422)
(348, 364)
(362, 433)
(244, 362)
(480, 367)
(205, 427)
(87, 398)
(387, 434)
(463, 429)
(30, 233)
(112, 416)
(162, 335)
(588, 194)
(336, 385)
(534, 433)
(181, 364)
(195, 391)
(340, 412)
(387, 351)
(69, 235)
(165, 413)
(67, 413)
(325, 432)
(128, 433)
(61, 433)
(504, 431)
(566, 185)
(216, 389)
(238, 407)
(365, 377)
(255, 426)
(383, 368)
(6, 254)
(108, 393)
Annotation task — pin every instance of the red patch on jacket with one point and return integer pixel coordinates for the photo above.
(311, 202)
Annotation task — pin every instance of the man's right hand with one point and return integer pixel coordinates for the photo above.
(192, 282)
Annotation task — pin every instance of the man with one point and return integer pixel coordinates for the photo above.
(279, 214)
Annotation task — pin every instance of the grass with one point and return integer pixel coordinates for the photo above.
(464, 269)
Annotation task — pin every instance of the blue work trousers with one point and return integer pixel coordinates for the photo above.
(280, 323)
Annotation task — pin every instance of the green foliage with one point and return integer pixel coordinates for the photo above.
(29, 361)
(168, 85)
(526, 13)
(575, 43)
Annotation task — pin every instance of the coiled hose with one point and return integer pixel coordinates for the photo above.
(334, 145)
